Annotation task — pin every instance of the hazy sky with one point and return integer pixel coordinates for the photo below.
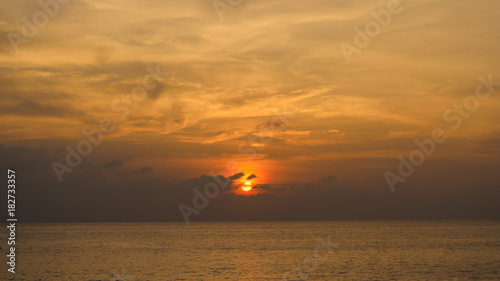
(269, 70)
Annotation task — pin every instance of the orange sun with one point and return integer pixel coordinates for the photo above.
(246, 187)
(247, 183)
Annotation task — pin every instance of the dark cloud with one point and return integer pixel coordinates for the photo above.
(156, 92)
(327, 179)
(237, 176)
(225, 183)
(144, 170)
(252, 176)
(93, 193)
(31, 108)
(264, 187)
(32, 160)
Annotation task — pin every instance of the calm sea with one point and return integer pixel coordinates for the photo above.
(348, 250)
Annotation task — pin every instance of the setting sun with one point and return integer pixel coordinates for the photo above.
(247, 182)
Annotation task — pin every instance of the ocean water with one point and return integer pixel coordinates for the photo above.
(346, 250)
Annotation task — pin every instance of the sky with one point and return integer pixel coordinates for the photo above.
(128, 111)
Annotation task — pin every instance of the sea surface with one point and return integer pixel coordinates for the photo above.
(334, 250)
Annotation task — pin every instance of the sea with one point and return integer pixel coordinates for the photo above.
(326, 250)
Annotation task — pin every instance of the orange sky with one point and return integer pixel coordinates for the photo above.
(227, 79)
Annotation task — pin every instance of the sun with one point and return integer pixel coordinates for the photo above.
(247, 188)
(247, 184)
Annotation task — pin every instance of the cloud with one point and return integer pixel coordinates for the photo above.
(252, 176)
(91, 185)
(144, 170)
(265, 187)
(30, 108)
(327, 179)
(237, 176)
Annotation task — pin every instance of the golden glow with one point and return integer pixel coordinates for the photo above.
(247, 183)
(197, 116)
